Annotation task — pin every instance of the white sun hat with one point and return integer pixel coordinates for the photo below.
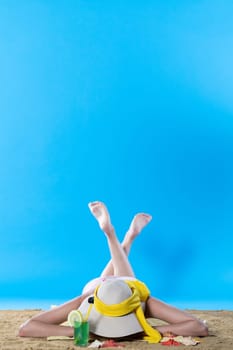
(111, 291)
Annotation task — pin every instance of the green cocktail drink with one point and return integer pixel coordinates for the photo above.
(81, 333)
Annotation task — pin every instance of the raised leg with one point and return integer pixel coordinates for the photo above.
(48, 323)
(120, 263)
(139, 221)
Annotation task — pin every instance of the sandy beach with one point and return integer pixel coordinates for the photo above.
(220, 325)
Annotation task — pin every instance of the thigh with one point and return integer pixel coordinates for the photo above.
(158, 309)
(91, 285)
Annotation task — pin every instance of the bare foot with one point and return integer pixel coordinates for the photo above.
(138, 223)
(100, 212)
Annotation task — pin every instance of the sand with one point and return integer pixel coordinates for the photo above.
(220, 325)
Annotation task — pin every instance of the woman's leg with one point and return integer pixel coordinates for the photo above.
(179, 322)
(138, 223)
(48, 323)
(120, 263)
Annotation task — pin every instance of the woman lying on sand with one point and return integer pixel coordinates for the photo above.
(121, 302)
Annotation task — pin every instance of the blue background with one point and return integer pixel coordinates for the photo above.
(131, 103)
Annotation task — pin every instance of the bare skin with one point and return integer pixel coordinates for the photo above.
(49, 322)
(139, 221)
(119, 265)
(179, 322)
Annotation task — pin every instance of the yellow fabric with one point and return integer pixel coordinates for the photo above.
(140, 293)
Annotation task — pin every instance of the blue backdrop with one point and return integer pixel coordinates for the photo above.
(128, 102)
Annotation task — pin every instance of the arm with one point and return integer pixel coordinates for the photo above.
(48, 323)
(179, 322)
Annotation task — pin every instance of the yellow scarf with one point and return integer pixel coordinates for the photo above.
(140, 293)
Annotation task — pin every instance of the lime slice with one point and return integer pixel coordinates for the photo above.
(75, 318)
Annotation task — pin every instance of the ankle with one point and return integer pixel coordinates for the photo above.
(109, 231)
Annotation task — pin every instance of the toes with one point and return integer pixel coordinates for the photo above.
(93, 204)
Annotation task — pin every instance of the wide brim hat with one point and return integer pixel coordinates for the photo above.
(112, 291)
